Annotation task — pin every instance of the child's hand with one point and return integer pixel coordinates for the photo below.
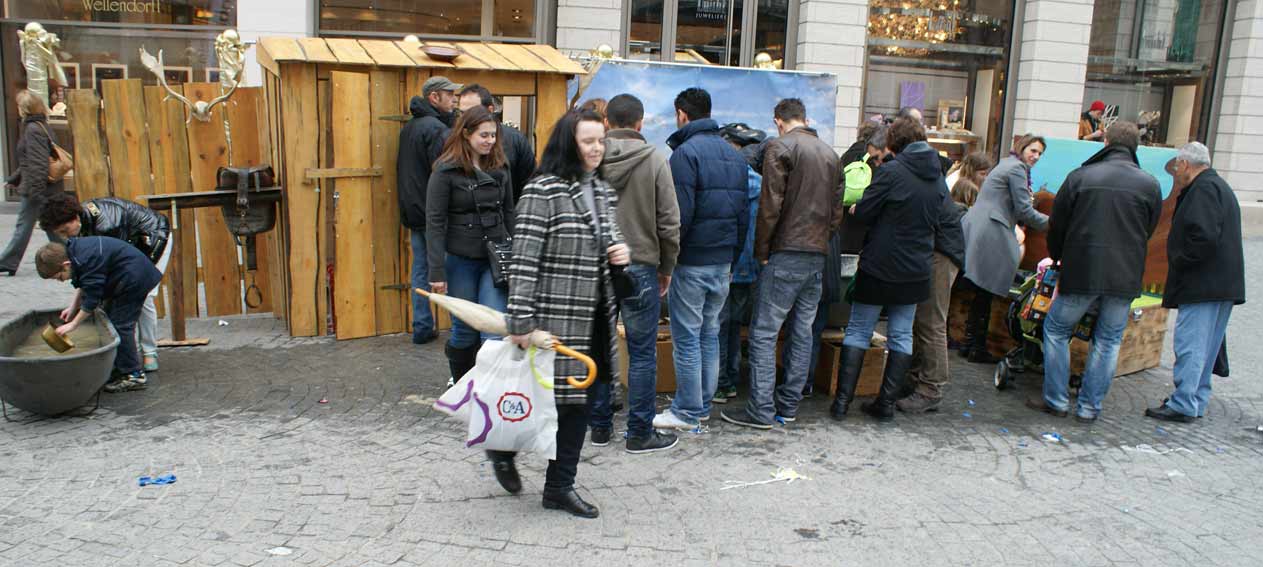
(67, 328)
(68, 313)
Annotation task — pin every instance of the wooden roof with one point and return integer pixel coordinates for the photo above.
(475, 56)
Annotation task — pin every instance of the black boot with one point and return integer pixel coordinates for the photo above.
(848, 375)
(570, 502)
(977, 327)
(506, 470)
(883, 408)
(460, 360)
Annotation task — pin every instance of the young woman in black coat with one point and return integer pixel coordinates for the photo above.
(469, 202)
(34, 148)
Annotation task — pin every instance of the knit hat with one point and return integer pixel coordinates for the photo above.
(1097, 105)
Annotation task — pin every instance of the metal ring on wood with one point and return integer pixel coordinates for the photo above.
(258, 292)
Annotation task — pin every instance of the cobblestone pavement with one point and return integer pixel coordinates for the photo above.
(376, 477)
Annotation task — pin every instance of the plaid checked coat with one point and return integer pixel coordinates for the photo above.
(558, 264)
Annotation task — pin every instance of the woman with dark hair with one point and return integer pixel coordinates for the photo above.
(909, 215)
(35, 146)
(566, 242)
(468, 203)
(992, 250)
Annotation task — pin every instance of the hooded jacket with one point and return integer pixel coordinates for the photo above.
(801, 202)
(463, 210)
(1204, 251)
(420, 144)
(1101, 222)
(108, 268)
(710, 186)
(647, 212)
(139, 226)
(909, 213)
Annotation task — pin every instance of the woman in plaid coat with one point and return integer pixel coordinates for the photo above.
(564, 243)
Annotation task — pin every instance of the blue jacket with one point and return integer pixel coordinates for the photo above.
(109, 268)
(711, 185)
(747, 270)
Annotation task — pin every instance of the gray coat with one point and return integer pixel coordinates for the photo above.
(560, 272)
(991, 250)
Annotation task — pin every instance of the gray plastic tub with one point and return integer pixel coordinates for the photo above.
(54, 384)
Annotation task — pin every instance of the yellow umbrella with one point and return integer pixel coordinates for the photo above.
(490, 321)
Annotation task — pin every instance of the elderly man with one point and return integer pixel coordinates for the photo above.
(1206, 277)
(1099, 231)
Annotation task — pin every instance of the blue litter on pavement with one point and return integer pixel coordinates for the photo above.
(967, 415)
(1004, 430)
(1161, 431)
(971, 403)
(164, 479)
(1052, 436)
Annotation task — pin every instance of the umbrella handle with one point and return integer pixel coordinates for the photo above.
(585, 359)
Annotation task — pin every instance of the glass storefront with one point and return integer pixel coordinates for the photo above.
(946, 58)
(101, 39)
(498, 19)
(1153, 62)
(712, 32)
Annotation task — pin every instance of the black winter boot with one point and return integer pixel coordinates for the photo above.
(848, 375)
(460, 360)
(502, 462)
(883, 408)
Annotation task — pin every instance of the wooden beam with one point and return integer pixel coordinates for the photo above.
(208, 151)
(303, 207)
(169, 155)
(354, 294)
(500, 83)
(92, 176)
(210, 199)
(550, 106)
(126, 134)
(314, 173)
(385, 88)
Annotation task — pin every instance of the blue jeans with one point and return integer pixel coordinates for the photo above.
(28, 214)
(899, 319)
(640, 323)
(790, 280)
(1199, 330)
(124, 312)
(817, 330)
(697, 296)
(422, 318)
(737, 313)
(1107, 335)
(470, 279)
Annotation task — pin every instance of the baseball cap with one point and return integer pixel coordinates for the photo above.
(439, 83)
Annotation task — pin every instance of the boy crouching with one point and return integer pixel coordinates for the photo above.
(111, 271)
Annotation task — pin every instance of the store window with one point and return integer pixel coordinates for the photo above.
(946, 58)
(1153, 62)
(710, 32)
(498, 19)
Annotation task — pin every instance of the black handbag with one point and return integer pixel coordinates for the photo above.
(499, 252)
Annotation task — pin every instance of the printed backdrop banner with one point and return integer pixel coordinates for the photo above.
(1064, 155)
(737, 94)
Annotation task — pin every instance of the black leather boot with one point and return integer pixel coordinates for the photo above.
(502, 462)
(460, 360)
(883, 408)
(848, 375)
(570, 502)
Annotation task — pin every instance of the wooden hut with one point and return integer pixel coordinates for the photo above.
(335, 107)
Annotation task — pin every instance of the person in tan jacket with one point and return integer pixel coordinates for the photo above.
(799, 208)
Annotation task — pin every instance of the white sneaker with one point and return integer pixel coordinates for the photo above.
(668, 420)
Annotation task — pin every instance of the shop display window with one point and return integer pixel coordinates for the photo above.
(442, 18)
(221, 13)
(946, 58)
(1153, 62)
(709, 32)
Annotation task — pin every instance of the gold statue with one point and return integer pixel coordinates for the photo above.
(764, 61)
(604, 51)
(39, 58)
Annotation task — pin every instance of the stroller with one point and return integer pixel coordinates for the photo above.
(1026, 315)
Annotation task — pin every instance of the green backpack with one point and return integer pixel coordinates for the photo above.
(858, 176)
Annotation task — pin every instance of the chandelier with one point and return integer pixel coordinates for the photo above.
(924, 21)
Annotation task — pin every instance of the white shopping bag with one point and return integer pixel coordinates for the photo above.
(507, 400)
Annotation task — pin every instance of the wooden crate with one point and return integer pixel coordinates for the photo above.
(1141, 348)
(831, 358)
(666, 365)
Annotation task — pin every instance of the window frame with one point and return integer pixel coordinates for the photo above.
(541, 13)
(749, 23)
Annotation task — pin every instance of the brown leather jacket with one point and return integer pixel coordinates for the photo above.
(801, 201)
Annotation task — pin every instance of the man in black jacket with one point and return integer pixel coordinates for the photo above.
(517, 149)
(1099, 231)
(420, 143)
(1206, 278)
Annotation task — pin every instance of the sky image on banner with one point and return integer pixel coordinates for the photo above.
(737, 94)
(1064, 156)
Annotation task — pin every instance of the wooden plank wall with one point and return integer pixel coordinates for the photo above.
(353, 276)
(245, 117)
(140, 145)
(386, 99)
(303, 207)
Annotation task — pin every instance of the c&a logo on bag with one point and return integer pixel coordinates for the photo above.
(514, 406)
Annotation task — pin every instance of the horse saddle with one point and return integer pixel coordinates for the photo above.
(244, 218)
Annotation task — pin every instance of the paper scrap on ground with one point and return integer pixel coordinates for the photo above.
(783, 474)
(1053, 437)
(280, 551)
(1146, 448)
(223, 323)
